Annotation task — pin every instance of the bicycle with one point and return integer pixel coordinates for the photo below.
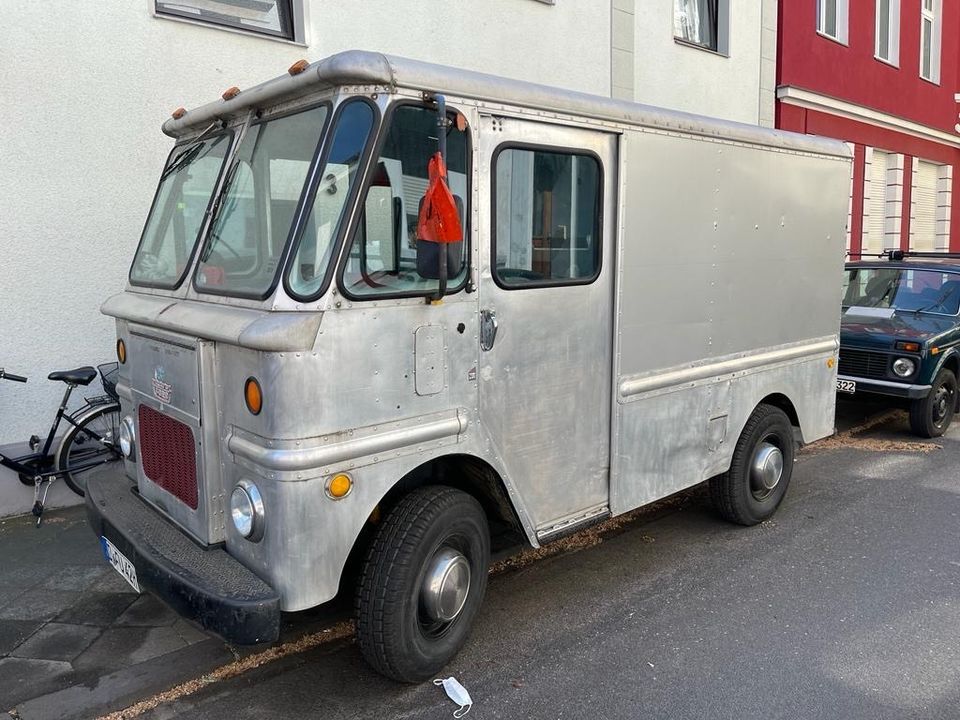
(91, 441)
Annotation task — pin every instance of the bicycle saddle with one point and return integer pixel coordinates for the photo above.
(80, 376)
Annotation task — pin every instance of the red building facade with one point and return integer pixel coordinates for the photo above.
(883, 76)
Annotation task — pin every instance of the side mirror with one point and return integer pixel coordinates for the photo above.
(430, 253)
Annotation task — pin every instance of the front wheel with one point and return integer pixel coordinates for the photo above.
(422, 582)
(751, 490)
(90, 443)
(930, 416)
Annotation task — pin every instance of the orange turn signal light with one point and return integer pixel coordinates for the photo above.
(908, 346)
(178, 113)
(230, 93)
(298, 67)
(253, 395)
(934, 351)
(121, 351)
(339, 486)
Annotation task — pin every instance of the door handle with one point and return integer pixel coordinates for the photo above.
(488, 329)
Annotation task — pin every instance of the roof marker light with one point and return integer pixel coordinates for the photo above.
(230, 93)
(298, 67)
(178, 113)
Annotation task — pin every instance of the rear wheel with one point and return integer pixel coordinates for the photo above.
(422, 582)
(89, 444)
(931, 416)
(752, 489)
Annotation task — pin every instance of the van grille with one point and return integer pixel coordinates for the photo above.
(860, 363)
(168, 455)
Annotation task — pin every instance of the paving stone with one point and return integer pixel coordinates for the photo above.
(96, 608)
(121, 646)
(148, 611)
(23, 678)
(190, 632)
(14, 632)
(38, 604)
(58, 641)
(112, 581)
(24, 575)
(75, 577)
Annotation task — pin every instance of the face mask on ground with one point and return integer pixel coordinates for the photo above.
(458, 693)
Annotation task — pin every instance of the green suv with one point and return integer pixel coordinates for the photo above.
(899, 334)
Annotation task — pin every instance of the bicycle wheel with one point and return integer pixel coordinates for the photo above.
(89, 444)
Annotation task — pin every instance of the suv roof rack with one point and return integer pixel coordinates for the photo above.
(898, 255)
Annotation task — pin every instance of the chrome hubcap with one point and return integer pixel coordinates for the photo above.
(445, 586)
(767, 469)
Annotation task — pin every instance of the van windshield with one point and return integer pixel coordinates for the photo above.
(903, 289)
(176, 217)
(254, 214)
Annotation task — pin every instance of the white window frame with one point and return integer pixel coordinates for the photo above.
(842, 21)
(299, 21)
(893, 33)
(934, 16)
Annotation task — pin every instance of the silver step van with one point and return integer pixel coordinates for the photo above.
(626, 302)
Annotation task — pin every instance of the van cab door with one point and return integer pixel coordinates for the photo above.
(547, 266)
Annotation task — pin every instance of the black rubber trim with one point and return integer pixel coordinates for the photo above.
(203, 584)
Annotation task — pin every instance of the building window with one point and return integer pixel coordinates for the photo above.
(931, 14)
(274, 18)
(888, 31)
(702, 22)
(832, 19)
(930, 206)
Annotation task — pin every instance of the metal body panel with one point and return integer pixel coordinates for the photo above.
(544, 382)
(164, 374)
(430, 360)
(252, 328)
(721, 303)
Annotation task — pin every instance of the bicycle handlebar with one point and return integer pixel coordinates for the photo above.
(10, 376)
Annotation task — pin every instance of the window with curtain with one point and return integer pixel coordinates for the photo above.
(697, 22)
(931, 12)
(265, 17)
(888, 31)
(832, 19)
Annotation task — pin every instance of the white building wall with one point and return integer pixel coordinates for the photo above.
(738, 84)
(85, 87)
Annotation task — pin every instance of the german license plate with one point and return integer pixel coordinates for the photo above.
(120, 563)
(846, 386)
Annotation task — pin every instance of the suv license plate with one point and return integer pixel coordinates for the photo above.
(846, 386)
(120, 563)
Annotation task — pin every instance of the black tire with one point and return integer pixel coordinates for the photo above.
(931, 416)
(738, 495)
(89, 444)
(395, 636)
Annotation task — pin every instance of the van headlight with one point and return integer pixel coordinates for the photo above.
(246, 510)
(903, 367)
(128, 436)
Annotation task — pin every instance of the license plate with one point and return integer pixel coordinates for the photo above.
(120, 563)
(846, 386)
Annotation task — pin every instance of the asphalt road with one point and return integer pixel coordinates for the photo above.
(845, 605)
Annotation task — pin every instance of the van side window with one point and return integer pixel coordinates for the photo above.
(546, 217)
(382, 257)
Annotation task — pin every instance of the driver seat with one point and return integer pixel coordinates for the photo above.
(80, 376)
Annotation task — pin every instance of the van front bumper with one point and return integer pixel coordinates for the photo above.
(204, 584)
(886, 387)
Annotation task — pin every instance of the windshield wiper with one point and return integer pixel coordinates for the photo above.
(188, 154)
(939, 301)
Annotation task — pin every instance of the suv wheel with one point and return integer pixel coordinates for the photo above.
(931, 416)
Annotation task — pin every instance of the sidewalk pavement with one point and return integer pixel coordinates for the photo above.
(75, 639)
